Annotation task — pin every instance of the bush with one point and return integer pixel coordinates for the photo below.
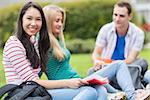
(84, 18)
(147, 35)
(87, 17)
(7, 22)
(80, 46)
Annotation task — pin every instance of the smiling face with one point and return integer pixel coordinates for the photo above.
(32, 21)
(121, 17)
(57, 24)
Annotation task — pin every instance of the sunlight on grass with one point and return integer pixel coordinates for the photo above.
(80, 62)
(146, 55)
(2, 76)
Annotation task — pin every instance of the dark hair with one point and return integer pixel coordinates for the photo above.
(43, 42)
(125, 4)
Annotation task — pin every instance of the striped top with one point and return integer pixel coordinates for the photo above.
(16, 65)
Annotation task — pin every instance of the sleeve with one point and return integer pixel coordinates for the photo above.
(16, 54)
(101, 38)
(139, 41)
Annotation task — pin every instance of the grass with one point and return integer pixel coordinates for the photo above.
(2, 76)
(145, 54)
(80, 62)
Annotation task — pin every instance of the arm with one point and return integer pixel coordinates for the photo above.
(96, 55)
(136, 47)
(69, 83)
(132, 56)
(101, 42)
(16, 54)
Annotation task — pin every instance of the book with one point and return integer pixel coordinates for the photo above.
(95, 81)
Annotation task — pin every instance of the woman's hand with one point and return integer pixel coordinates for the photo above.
(76, 83)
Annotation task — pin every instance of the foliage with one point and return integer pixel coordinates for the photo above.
(83, 17)
(8, 21)
(80, 46)
(86, 17)
(147, 35)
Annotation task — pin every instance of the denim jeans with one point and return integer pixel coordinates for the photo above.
(147, 77)
(116, 70)
(119, 71)
(82, 93)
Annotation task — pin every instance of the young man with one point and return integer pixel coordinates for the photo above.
(119, 40)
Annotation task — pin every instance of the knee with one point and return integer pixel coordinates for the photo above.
(92, 91)
(119, 64)
(100, 89)
(102, 92)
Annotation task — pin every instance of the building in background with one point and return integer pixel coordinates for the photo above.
(143, 10)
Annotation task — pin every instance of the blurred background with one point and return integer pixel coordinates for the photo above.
(84, 19)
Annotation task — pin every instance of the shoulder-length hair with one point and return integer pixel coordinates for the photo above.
(43, 42)
(50, 12)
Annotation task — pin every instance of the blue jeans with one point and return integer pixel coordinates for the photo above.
(147, 77)
(119, 71)
(82, 93)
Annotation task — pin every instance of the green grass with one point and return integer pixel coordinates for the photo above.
(146, 54)
(2, 75)
(80, 62)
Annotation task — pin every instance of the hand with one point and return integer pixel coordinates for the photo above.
(98, 64)
(76, 82)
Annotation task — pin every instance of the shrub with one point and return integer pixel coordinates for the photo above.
(84, 18)
(8, 21)
(80, 46)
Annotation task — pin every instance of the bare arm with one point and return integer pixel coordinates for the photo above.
(68, 83)
(96, 55)
(132, 56)
(136, 47)
(25, 71)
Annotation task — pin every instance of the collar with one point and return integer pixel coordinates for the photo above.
(129, 32)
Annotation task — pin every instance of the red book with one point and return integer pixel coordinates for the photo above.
(95, 81)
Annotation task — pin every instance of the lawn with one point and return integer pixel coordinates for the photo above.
(80, 62)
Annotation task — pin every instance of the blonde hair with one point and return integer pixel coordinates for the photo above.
(50, 12)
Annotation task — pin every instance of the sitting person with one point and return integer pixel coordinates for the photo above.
(119, 40)
(58, 66)
(24, 56)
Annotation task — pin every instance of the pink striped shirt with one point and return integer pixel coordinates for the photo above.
(16, 65)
